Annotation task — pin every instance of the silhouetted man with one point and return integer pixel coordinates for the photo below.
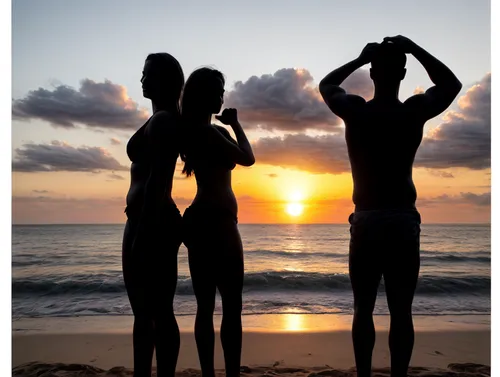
(383, 136)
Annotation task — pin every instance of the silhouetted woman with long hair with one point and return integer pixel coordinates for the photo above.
(210, 224)
(152, 233)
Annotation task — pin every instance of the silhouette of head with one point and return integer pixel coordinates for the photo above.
(388, 64)
(203, 96)
(162, 78)
(203, 93)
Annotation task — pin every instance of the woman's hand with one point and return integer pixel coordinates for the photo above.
(228, 117)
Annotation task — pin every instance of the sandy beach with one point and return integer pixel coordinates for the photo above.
(79, 347)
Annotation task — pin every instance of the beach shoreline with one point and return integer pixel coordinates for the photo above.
(267, 323)
(95, 342)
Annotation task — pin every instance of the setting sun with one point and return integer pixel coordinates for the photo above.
(294, 209)
(296, 196)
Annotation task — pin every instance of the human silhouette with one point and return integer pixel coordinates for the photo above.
(210, 224)
(382, 137)
(153, 230)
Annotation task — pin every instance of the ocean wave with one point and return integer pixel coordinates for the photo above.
(253, 304)
(263, 281)
(442, 257)
(480, 257)
(294, 254)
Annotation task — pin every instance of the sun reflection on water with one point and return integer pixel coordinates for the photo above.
(293, 322)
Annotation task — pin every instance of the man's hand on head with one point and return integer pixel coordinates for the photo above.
(404, 43)
(367, 54)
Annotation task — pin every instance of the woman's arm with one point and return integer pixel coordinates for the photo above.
(239, 152)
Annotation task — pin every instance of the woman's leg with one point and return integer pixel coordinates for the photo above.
(167, 337)
(143, 333)
(230, 285)
(202, 277)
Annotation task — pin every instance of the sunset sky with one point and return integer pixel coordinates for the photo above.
(76, 69)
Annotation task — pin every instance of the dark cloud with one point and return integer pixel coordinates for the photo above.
(464, 138)
(60, 156)
(115, 141)
(359, 83)
(478, 199)
(289, 101)
(316, 154)
(285, 100)
(104, 105)
(464, 198)
(272, 175)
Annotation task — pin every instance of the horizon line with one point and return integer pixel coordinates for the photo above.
(338, 223)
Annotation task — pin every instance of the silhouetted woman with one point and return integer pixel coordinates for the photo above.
(210, 223)
(152, 234)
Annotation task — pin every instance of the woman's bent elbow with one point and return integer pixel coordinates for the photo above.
(248, 161)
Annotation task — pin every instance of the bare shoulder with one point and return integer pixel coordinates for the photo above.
(355, 99)
(431, 103)
(344, 105)
(222, 130)
(415, 101)
(419, 107)
(225, 133)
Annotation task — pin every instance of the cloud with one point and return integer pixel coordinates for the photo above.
(285, 100)
(464, 198)
(64, 200)
(441, 173)
(316, 154)
(53, 209)
(104, 105)
(60, 156)
(464, 138)
(272, 175)
(83, 203)
(45, 209)
(478, 199)
(419, 90)
(359, 83)
(115, 141)
(289, 101)
(116, 177)
(40, 191)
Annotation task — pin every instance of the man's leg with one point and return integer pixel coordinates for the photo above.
(365, 277)
(400, 278)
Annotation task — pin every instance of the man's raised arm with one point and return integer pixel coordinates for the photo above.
(334, 96)
(446, 85)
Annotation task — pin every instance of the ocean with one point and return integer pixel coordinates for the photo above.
(75, 270)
